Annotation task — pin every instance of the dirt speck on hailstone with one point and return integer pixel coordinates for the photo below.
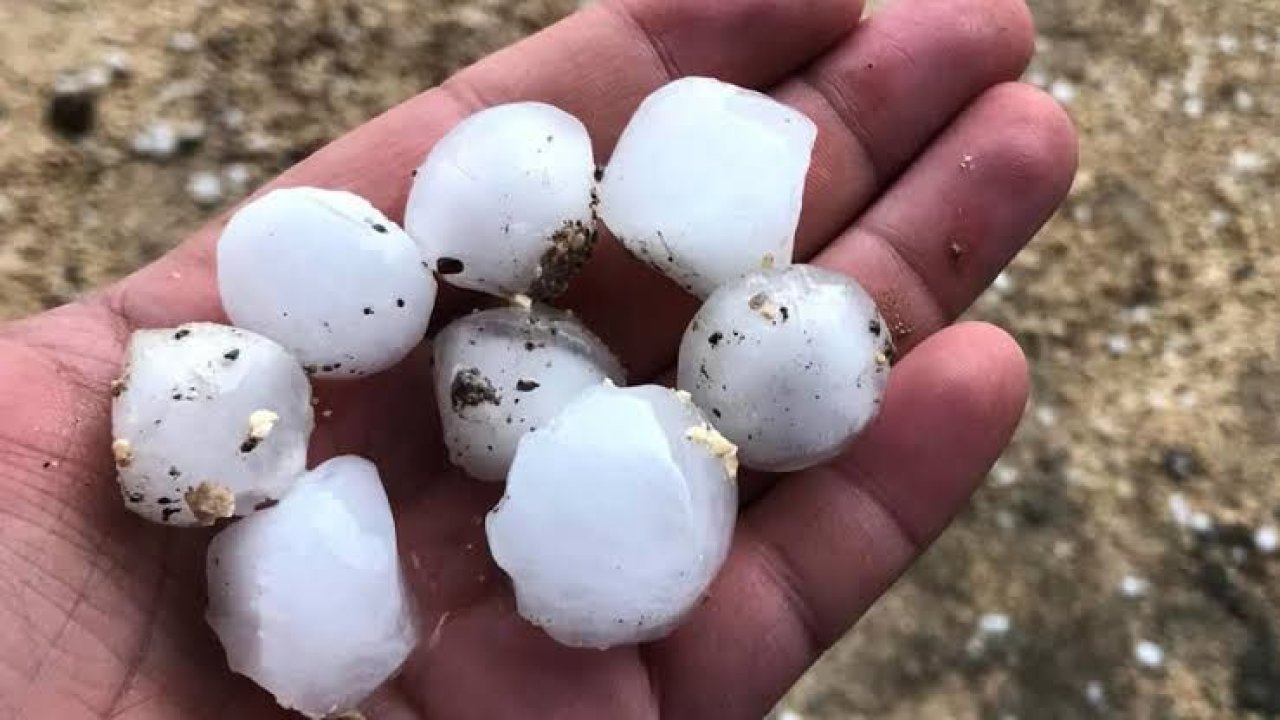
(210, 502)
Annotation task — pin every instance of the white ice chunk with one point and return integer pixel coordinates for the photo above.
(792, 364)
(504, 204)
(707, 182)
(328, 276)
(208, 421)
(502, 373)
(308, 597)
(617, 517)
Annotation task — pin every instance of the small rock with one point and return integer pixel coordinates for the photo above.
(1118, 345)
(96, 78)
(158, 141)
(1267, 539)
(1148, 654)
(1132, 586)
(1180, 465)
(238, 175)
(205, 188)
(72, 110)
(1063, 91)
(1094, 693)
(118, 64)
(995, 624)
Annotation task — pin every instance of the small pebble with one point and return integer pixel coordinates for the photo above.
(72, 110)
(1180, 465)
(1267, 539)
(158, 141)
(205, 188)
(1179, 510)
(1132, 586)
(995, 624)
(1118, 345)
(118, 64)
(1063, 91)
(238, 175)
(1148, 654)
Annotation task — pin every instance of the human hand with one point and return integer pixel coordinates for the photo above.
(931, 172)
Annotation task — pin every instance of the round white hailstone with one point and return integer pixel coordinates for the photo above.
(617, 517)
(504, 204)
(505, 372)
(209, 421)
(328, 276)
(308, 597)
(792, 364)
(707, 182)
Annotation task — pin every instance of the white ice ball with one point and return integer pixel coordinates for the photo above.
(505, 372)
(617, 517)
(209, 421)
(504, 203)
(707, 182)
(328, 276)
(792, 364)
(308, 597)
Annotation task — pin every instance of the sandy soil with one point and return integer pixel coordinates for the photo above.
(1128, 523)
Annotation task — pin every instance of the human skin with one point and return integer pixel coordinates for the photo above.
(932, 169)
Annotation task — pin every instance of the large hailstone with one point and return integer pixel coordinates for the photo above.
(617, 516)
(791, 364)
(308, 597)
(505, 372)
(328, 276)
(209, 421)
(707, 182)
(504, 204)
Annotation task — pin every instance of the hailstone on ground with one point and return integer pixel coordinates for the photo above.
(504, 203)
(707, 182)
(617, 516)
(505, 372)
(308, 597)
(328, 276)
(209, 421)
(791, 364)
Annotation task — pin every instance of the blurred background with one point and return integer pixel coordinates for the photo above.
(1122, 560)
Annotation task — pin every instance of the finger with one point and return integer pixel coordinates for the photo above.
(817, 551)
(942, 233)
(598, 64)
(879, 98)
(890, 88)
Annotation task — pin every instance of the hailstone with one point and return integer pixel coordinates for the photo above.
(505, 203)
(308, 597)
(617, 516)
(792, 364)
(707, 182)
(328, 276)
(209, 421)
(505, 372)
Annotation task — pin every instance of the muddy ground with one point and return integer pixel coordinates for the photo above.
(1115, 566)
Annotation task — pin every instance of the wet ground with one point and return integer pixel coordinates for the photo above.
(1122, 560)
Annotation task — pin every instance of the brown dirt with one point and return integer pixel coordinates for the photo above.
(1148, 309)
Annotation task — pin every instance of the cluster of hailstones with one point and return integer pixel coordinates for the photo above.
(620, 501)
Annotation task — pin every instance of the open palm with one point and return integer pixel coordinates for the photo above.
(932, 169)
